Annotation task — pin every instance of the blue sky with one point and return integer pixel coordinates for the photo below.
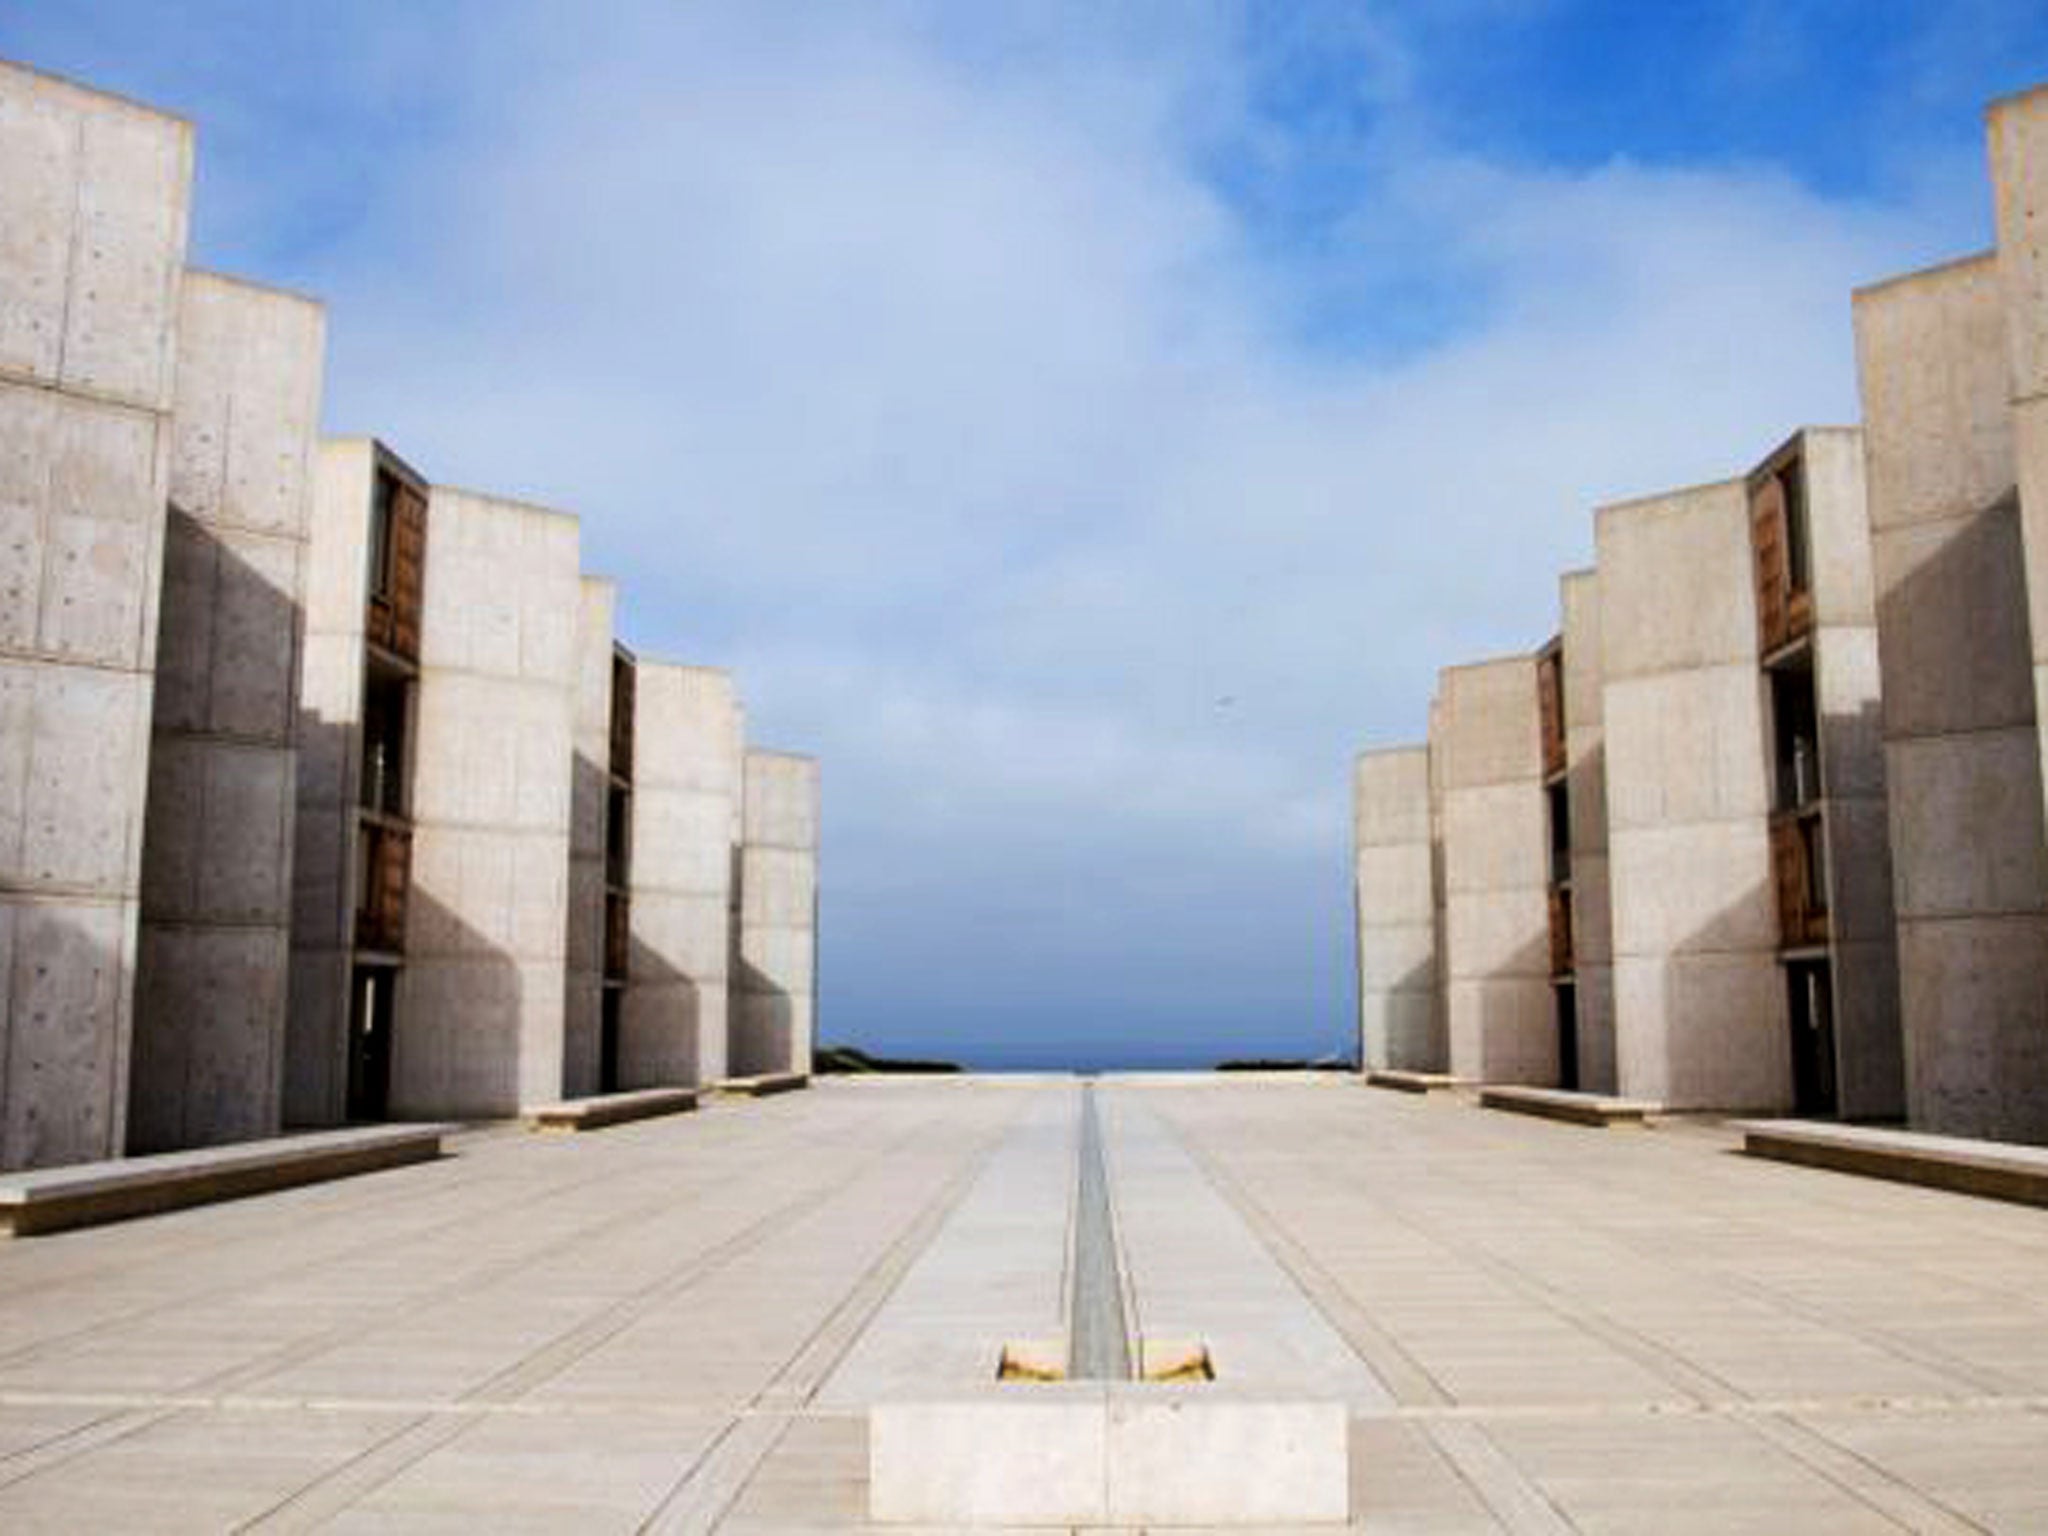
(1084, 426)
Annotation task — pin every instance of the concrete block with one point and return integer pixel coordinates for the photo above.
(73, 755)
(1974, 998)
(94, 204)
(1491, 729)
(1703, 1031)
(1180, 1458)
(1686, 746)
(2017, 131)
(1599, 1111)
(1952, 624)
(1695, 887)
(1992, 1169)
(1495, 838)
(1040, 1461)
(1966, 828)
(1390, 797)
(1502, 1031)
(68, 1014)
(1395, 886)
(1652, 619)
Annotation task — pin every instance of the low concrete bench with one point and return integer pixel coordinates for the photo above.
(760, 1086)
(1559, 1104)
(1998, 1170)
(602, 1109)
(52, 1199)
(1414, 1082)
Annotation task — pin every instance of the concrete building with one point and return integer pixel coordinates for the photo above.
(1400, 1022)
(1961, 724)
(352, 872)
(1830, 847)
(1700, 1006)
(481, 996)
(774, 997)
(1576, 786)
(94, 198)
(1500, 1012)
(687, 780)
(209, 1035)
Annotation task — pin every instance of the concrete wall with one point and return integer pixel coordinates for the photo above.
(687, 787)
(1962, 744)
(1399, 1022)
(1501, 1020)
(94, 195)
(1700, 1007)
(2018, 137)
(1869, 1059)
(1586, 792)
(208, 1057)
(480, 1000)
(589, 793)
(775, 984)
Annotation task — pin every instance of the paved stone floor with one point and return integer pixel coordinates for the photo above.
(677, 1325)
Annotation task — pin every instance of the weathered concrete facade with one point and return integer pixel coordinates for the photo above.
(1394, 885)
(1699, 1002)
(687, 787)
(774, 997)
(1962, 742)
(351, 874)
(1830, 845)
(482, 992)
(94, 198)
(1500, 1024)
(209, 1039)
(1584, 786)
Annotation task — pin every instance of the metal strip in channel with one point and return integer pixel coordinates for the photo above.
(1099, 1347)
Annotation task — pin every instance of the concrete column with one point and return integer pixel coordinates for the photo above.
(589, 796)
(687, 784)
(1962, 743)
(209, 1041)
(1502, 1025)
(1585, 738)
(1399, 1022)
(480, 1000)
(775, 985)
(1700, 1009)
(94, 197)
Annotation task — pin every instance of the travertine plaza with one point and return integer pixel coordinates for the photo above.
(371, 914)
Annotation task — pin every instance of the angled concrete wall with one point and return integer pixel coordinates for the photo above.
(480, 1000)
(1863, 944)
(1586, 793)
(1700, 1007)
(775, 985)
(687, 787)
(582, 1017)
(1502, 1026)
(1399, 1022)
(208, 1057)
(1962, 743)
(2018, 136)
(94, 194)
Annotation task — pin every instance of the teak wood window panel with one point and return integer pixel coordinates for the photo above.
(1799, 871)
(1550, 708)
(1563, 961)
(1779, 543)
(385, 855)
(397, 556)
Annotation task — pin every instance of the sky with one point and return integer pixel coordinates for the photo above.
(1082, 425)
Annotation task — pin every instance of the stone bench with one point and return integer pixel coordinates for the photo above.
(760, 1086)
(1414, 1082)
(602, 1109)
(1592, 1109)
(1998, 1170)
(52, 1199)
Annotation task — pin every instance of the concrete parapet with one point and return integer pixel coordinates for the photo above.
(1400, 1022)
(1995, 1170)
(1591, 1109)
(1700, 1006)
(597, 1111)
(209, 1039)
(94, 199)
(1501, 1024)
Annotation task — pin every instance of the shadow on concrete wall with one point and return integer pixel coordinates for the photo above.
(207, 1046)
(661, 1023)
(61, 1097)
(764, 1023)
(583, 1005)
